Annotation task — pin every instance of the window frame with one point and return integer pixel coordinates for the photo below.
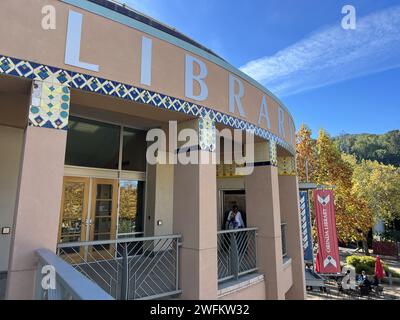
(120, 149)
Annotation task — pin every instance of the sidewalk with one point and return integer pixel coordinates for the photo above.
(389, 292)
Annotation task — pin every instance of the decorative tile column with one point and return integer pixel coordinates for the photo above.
(195, 215)
(290, 211)
(263, 212)
(36, 219)
(49, 106)
(287, 166)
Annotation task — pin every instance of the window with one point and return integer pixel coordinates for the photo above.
(134, 150)
(92, 144)
(96, 144)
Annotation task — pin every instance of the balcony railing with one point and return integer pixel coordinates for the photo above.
(237, 253)
(128, 269)
(67, 284)
(283, 236)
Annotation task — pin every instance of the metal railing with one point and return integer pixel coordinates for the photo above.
(68, 284)
(128, 269)
(237, 253)
(283, 237)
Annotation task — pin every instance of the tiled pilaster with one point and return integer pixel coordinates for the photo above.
(49, 106)
(287, 166)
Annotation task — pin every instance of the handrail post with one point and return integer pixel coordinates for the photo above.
(39, 292)
(256, 246)
(177, 265)
(234, 256)
(125, 273)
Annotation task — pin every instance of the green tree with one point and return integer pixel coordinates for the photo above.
(383, 148)
(379, 185)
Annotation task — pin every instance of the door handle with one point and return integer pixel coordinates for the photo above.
(87, 223)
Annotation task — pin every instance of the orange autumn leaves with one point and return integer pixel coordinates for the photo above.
(321, 162)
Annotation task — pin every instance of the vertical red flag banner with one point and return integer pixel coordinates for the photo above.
(328, 260)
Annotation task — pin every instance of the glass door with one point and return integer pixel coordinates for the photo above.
(130, 217)
(93, 209)
(74, 209)
(103, 217)
(104, 209)
(131, 200)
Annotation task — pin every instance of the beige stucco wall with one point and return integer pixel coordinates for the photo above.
(253, 292)
(287, 276)
(230, 183)
(116, 48)
(10, 145)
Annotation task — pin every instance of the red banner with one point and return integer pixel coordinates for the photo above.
(328, 260)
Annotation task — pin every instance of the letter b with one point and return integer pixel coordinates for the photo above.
(190, 78)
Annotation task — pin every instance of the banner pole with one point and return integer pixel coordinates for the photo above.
(311, 228)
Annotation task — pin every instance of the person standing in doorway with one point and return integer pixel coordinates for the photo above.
(234, 220)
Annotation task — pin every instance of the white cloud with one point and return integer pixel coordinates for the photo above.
(332, 55)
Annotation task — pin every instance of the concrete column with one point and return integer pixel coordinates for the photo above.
(159, 191)
(195, 217)
(290, 213)
(159, 199)
(263, 212)
(36, 218)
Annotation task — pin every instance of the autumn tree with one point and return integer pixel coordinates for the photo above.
(359, 188)
(353, 218)
(359, 206)
(305, 155)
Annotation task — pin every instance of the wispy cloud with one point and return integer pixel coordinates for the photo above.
(332, 55)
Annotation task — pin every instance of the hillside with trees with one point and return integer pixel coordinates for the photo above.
(384, 148)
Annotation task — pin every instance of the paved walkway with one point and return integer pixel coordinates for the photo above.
(389, 292)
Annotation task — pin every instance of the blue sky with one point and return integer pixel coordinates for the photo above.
(339, 80)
